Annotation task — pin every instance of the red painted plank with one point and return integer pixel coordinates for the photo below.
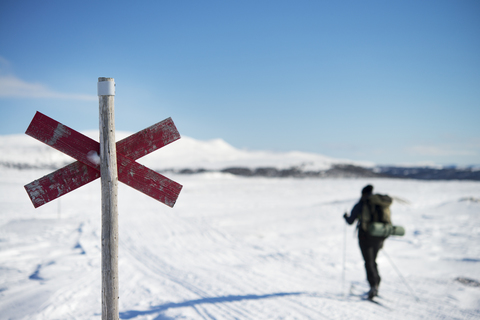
(147, 181)
(47, 130)
(60, 182)
(63, 138)
(77, 146)
(77, 174)
(148, 140)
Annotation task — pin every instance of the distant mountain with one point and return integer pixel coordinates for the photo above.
(187, 153)
(189, 156)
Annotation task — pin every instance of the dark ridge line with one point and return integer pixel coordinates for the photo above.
(336, 171)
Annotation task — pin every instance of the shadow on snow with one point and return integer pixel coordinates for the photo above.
(157, 309)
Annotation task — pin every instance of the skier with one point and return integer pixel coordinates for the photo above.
(369, 245)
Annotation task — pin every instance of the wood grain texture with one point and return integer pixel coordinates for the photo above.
(148, 140)
(148, 181)
(63, 138)
(69, 141)
(109, 181)
(60, 182)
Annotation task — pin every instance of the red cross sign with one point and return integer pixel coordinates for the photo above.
(87, 167)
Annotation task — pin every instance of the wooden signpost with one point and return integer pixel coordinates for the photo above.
(111, 162)
(109, 180)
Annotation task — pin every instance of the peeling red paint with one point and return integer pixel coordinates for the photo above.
(83, 171)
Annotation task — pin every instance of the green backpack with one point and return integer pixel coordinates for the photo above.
(376, 217)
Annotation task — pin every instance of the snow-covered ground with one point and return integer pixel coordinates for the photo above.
(240, 248)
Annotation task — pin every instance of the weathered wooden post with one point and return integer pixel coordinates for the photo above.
(89, 166)
(109, 182)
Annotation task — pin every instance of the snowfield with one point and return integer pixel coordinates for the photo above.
(234, 247)
(240, 248)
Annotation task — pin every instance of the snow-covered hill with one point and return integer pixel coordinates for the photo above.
(186, 153)
(189, 155)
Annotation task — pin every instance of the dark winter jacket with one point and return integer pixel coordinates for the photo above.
(355, 213)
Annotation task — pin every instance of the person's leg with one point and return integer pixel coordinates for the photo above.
(376, 246)
(370, 247)
(368, 254)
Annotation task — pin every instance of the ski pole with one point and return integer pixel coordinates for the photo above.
(344, 256)
(401, 276)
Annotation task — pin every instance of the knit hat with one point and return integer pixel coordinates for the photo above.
(367, 190)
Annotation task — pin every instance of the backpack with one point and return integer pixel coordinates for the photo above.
(376, 209)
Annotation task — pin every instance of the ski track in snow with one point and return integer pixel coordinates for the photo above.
(239, 248)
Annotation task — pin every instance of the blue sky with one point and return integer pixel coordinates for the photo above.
(385, 81)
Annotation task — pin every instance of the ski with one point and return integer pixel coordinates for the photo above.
(373, 300)
(355, 292)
